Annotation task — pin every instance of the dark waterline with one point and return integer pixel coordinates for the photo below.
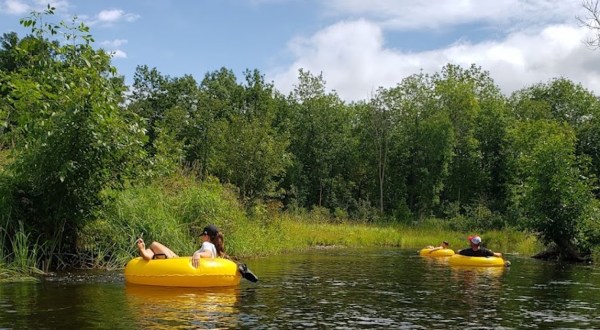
(322, 289)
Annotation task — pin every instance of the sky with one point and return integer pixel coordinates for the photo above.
(357, 45)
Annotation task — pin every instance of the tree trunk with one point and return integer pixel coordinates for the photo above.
(561, 250)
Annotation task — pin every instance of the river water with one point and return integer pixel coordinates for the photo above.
(322, 289)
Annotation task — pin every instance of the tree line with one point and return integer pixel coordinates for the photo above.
(446, 145)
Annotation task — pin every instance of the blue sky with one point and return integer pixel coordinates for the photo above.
(358, 45)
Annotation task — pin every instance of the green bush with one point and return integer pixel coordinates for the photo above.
(172, 211)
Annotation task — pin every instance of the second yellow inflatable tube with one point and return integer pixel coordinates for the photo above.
(436, 253)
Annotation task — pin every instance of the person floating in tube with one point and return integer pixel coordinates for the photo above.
(212, 247)
(475, 249)
(442, 246)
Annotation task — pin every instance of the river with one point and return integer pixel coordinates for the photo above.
(322, 289)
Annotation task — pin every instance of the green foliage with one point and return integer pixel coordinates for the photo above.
(70, 139)
(249, 152)
(24, 258)
(564, 101)
(477, 217)
(322, 145)
(464, 94)
(554, 199)
(172, 211)
(588, 231)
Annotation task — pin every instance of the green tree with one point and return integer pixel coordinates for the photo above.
(564, 101)
(219, 97)
(74, 141)
(249, 151)
(379, 125)
(471, 100)
(550, 191)
(422, 145)
(150, 100)
(178, 127)
(10, 62)
(322, 144)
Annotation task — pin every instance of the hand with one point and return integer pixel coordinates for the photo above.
(196, 260)
(140, 244)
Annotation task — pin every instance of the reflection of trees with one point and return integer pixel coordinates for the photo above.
(62, 304)
(172, 308)
(554, 295)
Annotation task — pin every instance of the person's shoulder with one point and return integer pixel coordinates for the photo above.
(207, 245)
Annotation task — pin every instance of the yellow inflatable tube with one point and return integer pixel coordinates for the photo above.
(179, 272)
(460, 260)
(437, 253)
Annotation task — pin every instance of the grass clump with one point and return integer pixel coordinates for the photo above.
(172, 212)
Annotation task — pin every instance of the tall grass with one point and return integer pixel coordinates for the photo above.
(24, 252)
(174, 210)
(22, 262)
(291, 233)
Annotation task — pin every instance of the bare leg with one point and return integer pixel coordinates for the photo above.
(158, 248)
(147, 254)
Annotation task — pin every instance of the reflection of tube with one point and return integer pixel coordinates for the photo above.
(478, 287)
(169, 307)
(491, 271)
(436, 261)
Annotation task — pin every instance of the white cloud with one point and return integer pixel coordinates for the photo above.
(15, 7)
(111, 16)
(417, 14)
(113, 43)
(354, 60)
(117, 53)
(22, 7)
(59, 5)
(112, 46)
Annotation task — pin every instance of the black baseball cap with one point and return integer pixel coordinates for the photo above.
(210, 230)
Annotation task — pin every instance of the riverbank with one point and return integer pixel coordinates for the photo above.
(12, 276)
(292, 233)
(174, 210)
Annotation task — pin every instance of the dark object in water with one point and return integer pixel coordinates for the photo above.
(247, 274)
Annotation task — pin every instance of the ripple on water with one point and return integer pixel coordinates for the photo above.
(326, 289)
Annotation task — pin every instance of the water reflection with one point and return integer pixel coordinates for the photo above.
(333, 289)
(183, 308)
(62, 304)
(562, 295)
(434, 262)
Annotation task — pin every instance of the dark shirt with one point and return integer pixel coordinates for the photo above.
(481, 252)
